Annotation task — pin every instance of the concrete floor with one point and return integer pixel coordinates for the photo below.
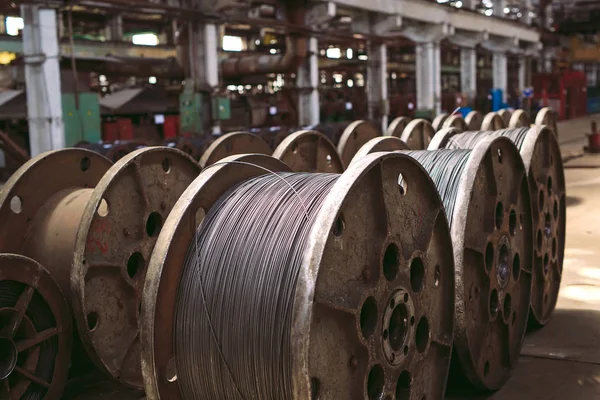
(561, 361)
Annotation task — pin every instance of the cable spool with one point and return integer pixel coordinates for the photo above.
(354, 137)
(397, 126)
(519, 119)
(546, 116)
(492, 122)
(541, 155)
(349, 327)
(455, 121)
(383, 143)
(35, 331)
(417, 134)
(94, 228)
(487, 201)
(438, 122)
(309, 151)
(234, 143)
(474, 119)
(506, 115)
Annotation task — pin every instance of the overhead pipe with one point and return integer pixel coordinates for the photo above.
(295, 54)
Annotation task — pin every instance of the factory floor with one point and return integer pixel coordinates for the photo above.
(561, 361)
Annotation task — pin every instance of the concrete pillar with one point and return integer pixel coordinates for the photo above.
(2, 160)
(2, 24)
(498, 8)
(469, 4)
(308, 83)
(204, 46)
(113, 31)
(500, 72)
(377, 84)
(468, 72)
(592, 77)
(42, 79)
(527, 8)
(523, 72)
(429, 76)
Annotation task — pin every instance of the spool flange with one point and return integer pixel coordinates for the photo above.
(506, 115)
(438, 121)
(474, 119)
(547, 116)
(234, 143)
(492, 122)
(383, 143)
(397, 126)
(354, 137)
(117, 232)
(417, 134)
(35, 331)
(519, 119)
(455, 121)
(309, 151)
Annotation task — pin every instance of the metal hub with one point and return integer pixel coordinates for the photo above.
(503, 261)
(398, 326)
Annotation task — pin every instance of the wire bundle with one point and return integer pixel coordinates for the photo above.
(468, 140)
(235, 300)
(445, 167)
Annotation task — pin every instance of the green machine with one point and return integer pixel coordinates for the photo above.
(81, 123)
(192, 110)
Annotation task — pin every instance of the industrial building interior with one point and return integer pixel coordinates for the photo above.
(378, 200)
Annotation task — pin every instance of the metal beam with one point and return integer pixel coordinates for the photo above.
(425, 11)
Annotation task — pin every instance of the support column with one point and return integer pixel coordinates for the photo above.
(593, 75)
(469, 4)
(377, 84)
(498, 8)
(527, 8)
(114, 29)
(500, 72)
(204, 46)
(308, 83)
(2, 24)
(468, 72)
(428, 69)
(523, 72)
(42, 79)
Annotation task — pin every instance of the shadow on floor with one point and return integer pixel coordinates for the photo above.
(573, 201)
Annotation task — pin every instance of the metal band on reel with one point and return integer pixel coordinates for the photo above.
(309, 151)
(417, 134)
(354, 137)
(35, 331)
(234, 143)
(543, 161)
(379, 313)
(489, 212)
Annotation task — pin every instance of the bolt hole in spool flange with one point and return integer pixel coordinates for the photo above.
(488, 346)
(309, 151)
(35, 331)
(328, 332)
(541, 155)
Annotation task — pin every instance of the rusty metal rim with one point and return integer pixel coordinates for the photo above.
(440, 140)
(474, 120)
(287, 145)
(397, 127)
(439, 121)
(179, 229)
(383, 143)
(547, 116)
(37, 277)
(506, 116)
(80, 268)
(262, 146)
(459, 226)
(455, 121)
(307, 283)
(519, 119)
